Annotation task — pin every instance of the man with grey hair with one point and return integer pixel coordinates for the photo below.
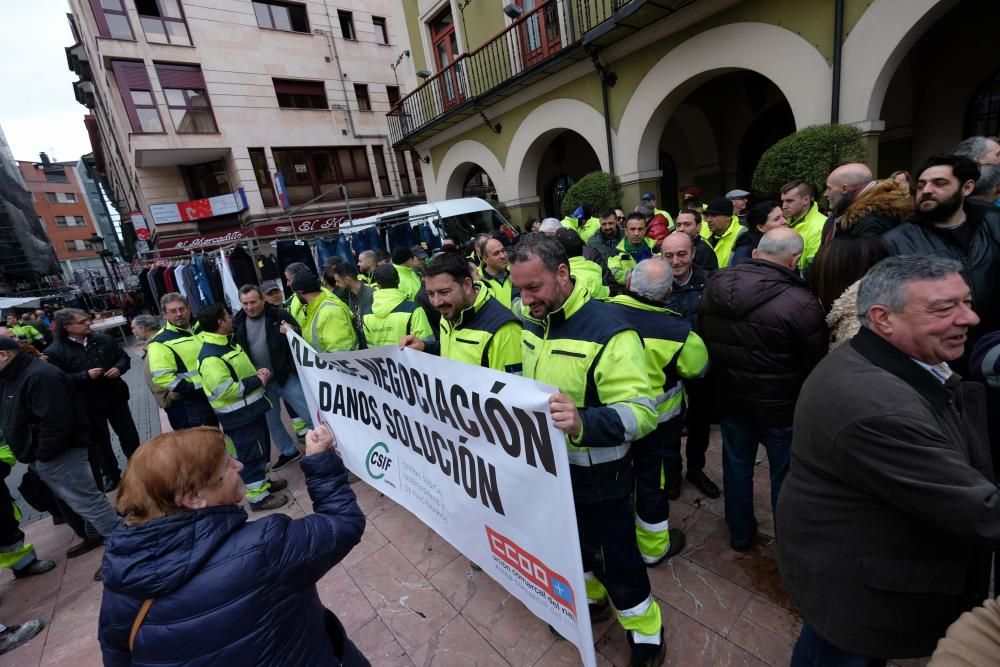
(145, 327)
(673, 353)
(549, 226)
(173, 360)
(765, 331)
(984, 151)
(95, 363)
(890, 509)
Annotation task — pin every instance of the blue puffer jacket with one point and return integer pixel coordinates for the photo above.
(227, 591)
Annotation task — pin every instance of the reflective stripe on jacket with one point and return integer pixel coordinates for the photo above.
(485, 334)
(596, 359)
(173, 359)
(673, 351)
(392, 317)
(229, 380)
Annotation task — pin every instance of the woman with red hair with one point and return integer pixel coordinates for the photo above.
(189, 581)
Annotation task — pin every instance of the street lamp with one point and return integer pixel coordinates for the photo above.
(97, 242)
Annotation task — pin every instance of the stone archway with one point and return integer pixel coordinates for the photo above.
(536, 132)
(791, 63)
(457, 165)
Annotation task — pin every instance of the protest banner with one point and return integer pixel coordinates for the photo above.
(473, 454)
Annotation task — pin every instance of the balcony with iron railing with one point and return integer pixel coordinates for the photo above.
(537, 44)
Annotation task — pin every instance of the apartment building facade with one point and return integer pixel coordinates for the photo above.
(530, 95)
(61, 205)
(243, 118)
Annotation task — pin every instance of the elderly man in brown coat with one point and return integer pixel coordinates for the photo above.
(889, 510)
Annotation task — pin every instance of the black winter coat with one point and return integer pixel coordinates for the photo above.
(102, 351)
(40, 414)
(980, 262)
(765, 331)
(704, 256)
(277, 344)
(889, 509)
(685, 299)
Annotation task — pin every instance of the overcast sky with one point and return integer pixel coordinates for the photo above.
(37, 109)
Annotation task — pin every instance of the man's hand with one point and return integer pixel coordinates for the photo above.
(283, 328)
(112, 373)
(319, 440)
(412, 342)
(95, 373)
(264, 375)
(565, 416)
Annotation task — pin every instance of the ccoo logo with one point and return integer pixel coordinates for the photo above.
(378, 461)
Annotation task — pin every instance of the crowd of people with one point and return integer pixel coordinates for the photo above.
(859, 345)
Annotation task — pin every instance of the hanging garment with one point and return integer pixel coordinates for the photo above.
(401, 236)
(148, 298)
(268, 266)
(168, 279)
(290, 252)
(242, 266)
(159, 287)
(201, 277)
(335, 246)
(181, 284)
(429, 236)
(215, 280)
(232, 292)
(365, 239)
(194, 289)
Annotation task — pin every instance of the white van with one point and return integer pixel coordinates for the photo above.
(461, 219)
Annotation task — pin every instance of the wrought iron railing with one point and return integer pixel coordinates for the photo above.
(526, 44)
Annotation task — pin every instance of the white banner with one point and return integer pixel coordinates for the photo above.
(473, 454)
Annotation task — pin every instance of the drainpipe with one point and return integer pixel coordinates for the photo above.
(838, 32)
(608, 80)
(331, 44)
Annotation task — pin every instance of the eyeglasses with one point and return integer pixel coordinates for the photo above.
(621, 218)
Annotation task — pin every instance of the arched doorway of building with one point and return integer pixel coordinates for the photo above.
(479, 184)
(567, 158)
(945, 88)
(718, 131)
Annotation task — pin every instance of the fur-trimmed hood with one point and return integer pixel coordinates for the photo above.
(843, 316)
(886, 199)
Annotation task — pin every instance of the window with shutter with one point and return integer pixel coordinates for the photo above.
(137, 95)
(361, 92)
(187, 98)
(297, 94)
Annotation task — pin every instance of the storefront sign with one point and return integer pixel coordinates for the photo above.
(308, 225)
(198, 209)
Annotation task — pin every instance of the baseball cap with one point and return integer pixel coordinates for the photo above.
(649, 196)
(692, 192)
(269, 286)
(720, 206)
(418, 252)
(737, 194)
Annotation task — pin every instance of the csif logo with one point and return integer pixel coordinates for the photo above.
(378, 461)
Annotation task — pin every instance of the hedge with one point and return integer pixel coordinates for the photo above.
(596, 190)
(810, 155)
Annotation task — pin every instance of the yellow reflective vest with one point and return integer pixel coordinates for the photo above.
(229, 380)
(329, 325)
(673, 351)
(586, 230)
(485, 334)
(409, 281)
(392, 317)
(172, 354)
(810, 227)
(590, 275)
(723, 246)
(596, 359)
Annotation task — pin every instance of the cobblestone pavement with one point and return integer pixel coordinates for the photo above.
(406, 597)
